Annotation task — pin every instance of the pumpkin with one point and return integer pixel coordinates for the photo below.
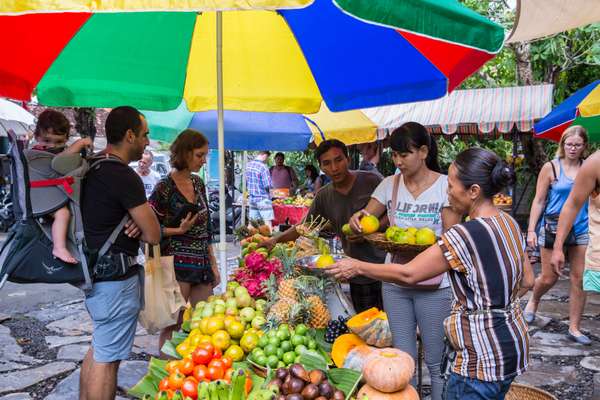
(356, 358)
(372, 326)
(342, 346)
(388, 370)
(408, 393)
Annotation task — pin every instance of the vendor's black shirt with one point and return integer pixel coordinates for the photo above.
(339, 208)
(108, 193)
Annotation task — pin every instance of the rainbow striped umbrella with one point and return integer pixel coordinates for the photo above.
(348, 54)
(104, 53)
(582, 108)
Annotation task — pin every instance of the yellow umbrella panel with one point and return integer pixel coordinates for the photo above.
(350, 127)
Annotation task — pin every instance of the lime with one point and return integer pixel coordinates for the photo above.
(297, 340)
(257, 351)
(270, 350)
(283, 335)
(297, 359)
(301, 329)
(274, 341)
(300, 349)
(284, 327)
(263, 341)
(280, 364)
(272, 333)
(261, 360)
(272, 361)
(289, 357)
(286, 345)
(280, 353)
(312, 344)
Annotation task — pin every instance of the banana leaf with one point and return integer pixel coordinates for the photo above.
(312, 359)
(319, 335)
(148, 385)
(345, 379)
(169, 348)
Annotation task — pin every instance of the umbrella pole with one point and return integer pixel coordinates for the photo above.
(222, 249)
(244, 156)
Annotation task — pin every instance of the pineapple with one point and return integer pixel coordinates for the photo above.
(319, 314)
(280, 311)
(287, 286)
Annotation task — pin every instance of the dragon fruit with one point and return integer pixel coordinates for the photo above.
(256, 270)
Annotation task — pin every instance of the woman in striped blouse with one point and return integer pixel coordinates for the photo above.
(488, 269)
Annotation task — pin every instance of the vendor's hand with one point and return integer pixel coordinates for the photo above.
(267, 244)
(187, 223)
(132, 230)
(532, 239)
(344, 269)
(558, 261)
(355, 220)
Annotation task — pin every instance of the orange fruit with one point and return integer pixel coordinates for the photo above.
(221, 339)
(369, 224)
(213, 325)
(235, 329)
(235, 353)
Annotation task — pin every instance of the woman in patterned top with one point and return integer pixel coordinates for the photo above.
(186, 237)
(488, 269)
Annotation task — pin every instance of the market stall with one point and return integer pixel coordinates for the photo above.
(291, 210)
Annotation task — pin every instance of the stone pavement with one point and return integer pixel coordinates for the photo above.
(41, 351)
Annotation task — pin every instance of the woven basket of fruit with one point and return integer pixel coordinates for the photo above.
(379, 241)
(399, 240)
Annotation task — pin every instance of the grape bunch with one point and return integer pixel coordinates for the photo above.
(335, 328)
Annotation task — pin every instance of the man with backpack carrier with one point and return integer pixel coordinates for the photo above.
(111, 193)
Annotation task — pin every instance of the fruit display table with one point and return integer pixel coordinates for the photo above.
(284, 212)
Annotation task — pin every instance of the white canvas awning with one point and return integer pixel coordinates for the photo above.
(489, 110)
(540, 18)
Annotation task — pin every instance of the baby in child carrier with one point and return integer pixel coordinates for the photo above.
(51, 136)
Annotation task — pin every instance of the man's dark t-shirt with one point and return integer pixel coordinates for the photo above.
(339, 208)
(107, 193)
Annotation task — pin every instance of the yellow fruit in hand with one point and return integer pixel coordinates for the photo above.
(412, 230)
(346, 230)
(425, 236)
(324, 261)
(221, 339)
(369, 224)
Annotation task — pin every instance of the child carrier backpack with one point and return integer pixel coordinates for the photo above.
(26, 255)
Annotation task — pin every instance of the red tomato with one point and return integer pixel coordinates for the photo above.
(201, 356)
(217, 353)
(215, 373)
(190, 387)
(186, 366)
(172, 366)
(176, 380)
(208, 346)
(164, 384)
(217, 362)
(227, 362)
(248, 386)
(201, 373)
(228, 375)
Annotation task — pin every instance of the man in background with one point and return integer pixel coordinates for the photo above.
(283, 176)
(259, 184)
(144, 169)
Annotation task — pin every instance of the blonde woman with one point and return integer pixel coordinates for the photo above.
(554, 184)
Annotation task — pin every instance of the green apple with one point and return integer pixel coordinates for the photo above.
(240, 290)
(260, 305)
(232, 285)
(219, 309)
(258, 321)
(247, 314)
(244, 300)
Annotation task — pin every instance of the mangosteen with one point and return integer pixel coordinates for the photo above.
(339, 395)
(294, 396)
(281, 373)
(316, 376)
(299, 372)
(296, 385)
(310, 391)
(275, 382)
(325, 389)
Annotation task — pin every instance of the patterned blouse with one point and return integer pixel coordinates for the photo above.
(486, 326)
(190, 250)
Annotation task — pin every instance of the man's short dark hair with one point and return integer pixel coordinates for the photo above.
(119, 121)
(52, 120)
(280, 154)
(327, 145)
